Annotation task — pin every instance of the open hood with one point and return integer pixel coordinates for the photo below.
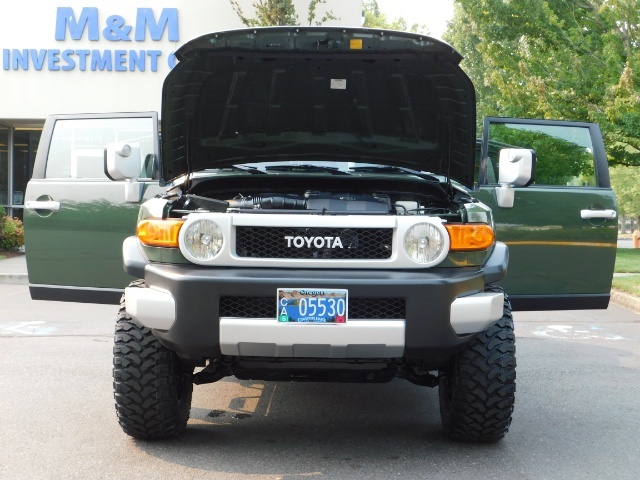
(318, 93)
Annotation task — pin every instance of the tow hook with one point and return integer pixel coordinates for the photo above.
(212, 373)
(418, 376)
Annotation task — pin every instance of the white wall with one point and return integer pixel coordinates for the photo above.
(31, 25)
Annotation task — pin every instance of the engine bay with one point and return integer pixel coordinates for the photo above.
(319, 195)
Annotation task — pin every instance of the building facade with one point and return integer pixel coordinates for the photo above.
(78, 56)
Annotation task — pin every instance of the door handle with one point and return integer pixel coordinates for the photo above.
(51, 205)
(589, 214)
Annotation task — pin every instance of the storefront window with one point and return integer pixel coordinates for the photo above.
(4, 165)
(25, 146)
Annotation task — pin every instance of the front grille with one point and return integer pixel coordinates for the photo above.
(359, 307)
(310, 243)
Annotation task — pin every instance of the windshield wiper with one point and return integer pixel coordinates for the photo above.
(245, 168)
(388, 169)
(305, 168)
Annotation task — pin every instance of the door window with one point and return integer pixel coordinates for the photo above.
(565, 153)
(77, 145)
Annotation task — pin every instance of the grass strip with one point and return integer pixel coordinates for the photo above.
(627, 260)
(630, 284)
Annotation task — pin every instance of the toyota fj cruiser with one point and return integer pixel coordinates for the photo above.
(320, 210)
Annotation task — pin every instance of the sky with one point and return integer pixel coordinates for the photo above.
(432, 13)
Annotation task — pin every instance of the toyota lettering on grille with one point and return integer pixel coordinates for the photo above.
(317, 242)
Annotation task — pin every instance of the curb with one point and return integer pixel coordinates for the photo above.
(14, 279)
(625, 300)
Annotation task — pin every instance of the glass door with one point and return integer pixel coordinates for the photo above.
(25, 147)
(4, 166)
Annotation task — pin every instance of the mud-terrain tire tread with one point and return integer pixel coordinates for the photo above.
(152, 388)
(477, 389)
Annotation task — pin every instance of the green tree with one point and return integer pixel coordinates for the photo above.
(280, 12)
(626, 183)
(563, 59)
(374, 18)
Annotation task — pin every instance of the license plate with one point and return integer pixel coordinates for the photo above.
(312, 305)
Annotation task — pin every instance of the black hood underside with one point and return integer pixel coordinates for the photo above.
(332, 94)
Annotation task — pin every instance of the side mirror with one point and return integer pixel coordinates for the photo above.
(517, 168)
(122, 161)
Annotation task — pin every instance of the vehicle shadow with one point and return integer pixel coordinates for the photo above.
(307, 429)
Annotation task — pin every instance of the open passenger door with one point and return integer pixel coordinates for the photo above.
(562, 229)
(76, 216)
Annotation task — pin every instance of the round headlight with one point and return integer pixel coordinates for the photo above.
(424, 243)
(203, 239)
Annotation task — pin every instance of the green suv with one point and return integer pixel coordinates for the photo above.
(317, 208)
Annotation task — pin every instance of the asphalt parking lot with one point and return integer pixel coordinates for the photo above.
(576, 410)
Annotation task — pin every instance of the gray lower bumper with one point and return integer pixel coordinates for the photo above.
(358, 338)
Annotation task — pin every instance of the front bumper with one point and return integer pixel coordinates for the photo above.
(441, 308)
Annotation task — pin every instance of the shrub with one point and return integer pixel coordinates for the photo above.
(3, 218)
(11, 232)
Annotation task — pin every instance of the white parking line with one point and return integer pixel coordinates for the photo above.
(27, 328)
(569, 333)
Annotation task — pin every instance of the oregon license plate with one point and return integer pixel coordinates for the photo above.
(312, 305)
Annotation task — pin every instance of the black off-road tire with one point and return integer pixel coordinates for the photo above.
(152, 387)
(477, 389)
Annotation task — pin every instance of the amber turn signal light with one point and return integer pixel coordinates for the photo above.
(156, 232)
(470, 236)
